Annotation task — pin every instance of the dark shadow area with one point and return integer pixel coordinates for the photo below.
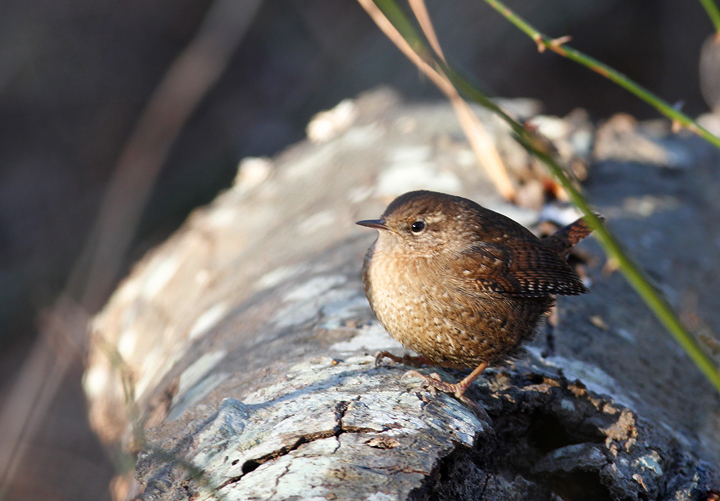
(524, 457)
(580, 485)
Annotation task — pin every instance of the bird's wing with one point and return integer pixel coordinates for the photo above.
(526, 268)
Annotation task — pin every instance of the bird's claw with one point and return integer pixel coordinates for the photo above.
(457, 390)
(386, 354)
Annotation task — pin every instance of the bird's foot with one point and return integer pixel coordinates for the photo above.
(433, 380)
(456, 389)
(406, 360)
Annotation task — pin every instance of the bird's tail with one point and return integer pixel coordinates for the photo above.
(565, 238)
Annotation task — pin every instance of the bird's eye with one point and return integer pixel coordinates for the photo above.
(417, 226)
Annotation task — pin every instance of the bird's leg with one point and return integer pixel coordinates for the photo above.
(552, 321)
(406, 359)
(457, 389)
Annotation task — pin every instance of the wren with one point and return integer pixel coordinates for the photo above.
(461, 285)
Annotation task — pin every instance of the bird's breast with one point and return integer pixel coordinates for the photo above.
(415, 304)
(426, 311)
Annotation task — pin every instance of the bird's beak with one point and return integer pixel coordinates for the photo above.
(378, 224)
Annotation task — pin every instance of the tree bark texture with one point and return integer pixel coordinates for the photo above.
(237, 358)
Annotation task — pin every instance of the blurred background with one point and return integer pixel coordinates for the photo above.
(76, 75)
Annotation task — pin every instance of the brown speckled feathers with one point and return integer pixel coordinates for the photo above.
(461, 284)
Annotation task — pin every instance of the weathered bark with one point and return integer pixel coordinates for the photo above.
(247, 339)
(346, 430)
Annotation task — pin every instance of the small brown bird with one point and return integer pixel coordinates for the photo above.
(462, 285)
